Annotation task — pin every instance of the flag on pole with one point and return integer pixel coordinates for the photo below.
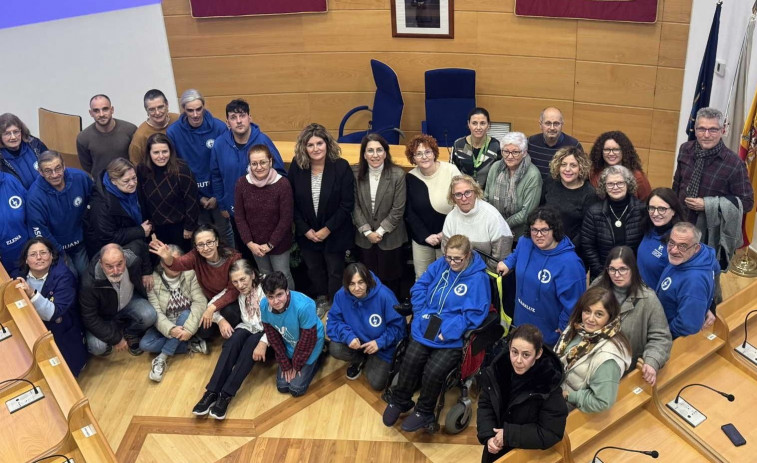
(748, 153)
(704, 81)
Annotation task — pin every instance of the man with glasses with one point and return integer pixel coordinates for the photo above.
(106, 139)
(158, 121)
(543, 146)
(55, 207)
(687, 285)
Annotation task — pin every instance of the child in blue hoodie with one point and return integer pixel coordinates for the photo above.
(13, 233)
(364, 327)
(549, 275)
(450, 298)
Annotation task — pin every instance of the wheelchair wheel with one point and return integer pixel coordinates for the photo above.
(457, 419)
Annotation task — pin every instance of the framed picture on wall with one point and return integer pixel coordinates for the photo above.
(423, 18)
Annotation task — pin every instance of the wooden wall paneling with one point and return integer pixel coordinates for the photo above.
(615, 84)
(501, 6)
(358, 5)
(626, 43)
(661, 166)
(678, 11)
(518, 76)
(644, 157)
(507, 34)
(414, 112)
(286, 135)
(279, 111)
(329, 109)
(664, 130)
(673, 42)
(175, 7)
(590, 120)
(668, 88)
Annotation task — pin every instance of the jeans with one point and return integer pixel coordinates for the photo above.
(376, 369)
(77, 261)
(214, 217)
(299, 385)
(234, 363)
(154, 341)
(423, 256)
(278, 263)
(134, 320)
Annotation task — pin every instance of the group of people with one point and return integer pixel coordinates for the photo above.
(182, 228)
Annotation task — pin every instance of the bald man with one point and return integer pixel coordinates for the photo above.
(543, 146)
(113, 302)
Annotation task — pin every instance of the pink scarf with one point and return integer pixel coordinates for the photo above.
(272, 178)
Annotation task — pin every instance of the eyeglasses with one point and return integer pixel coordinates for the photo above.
(207, 244)
(660, 210)
(455, 260)
(551, 124)
(710, 130)
(11, 133)
(56, 170)
(540, 231)
(464, 194)
(378, 152)
(262, 164)
(511, 154)
(683, 247)
(36, 254)
(622, 271)
(615, 185)
(424, 154)
(156, 109)
(611, 150)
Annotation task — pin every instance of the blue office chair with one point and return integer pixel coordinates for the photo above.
(387, 108)
(450, 96)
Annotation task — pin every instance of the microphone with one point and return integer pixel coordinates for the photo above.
(728, 396)
(649, 453)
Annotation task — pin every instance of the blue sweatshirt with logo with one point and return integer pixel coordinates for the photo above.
(194, 145)
(686, 291)
(460, 299)
(652, 258)
(22, 163)
(369, 318)
(228, 163)
(548, 283)
(57, 215)
(13, 232)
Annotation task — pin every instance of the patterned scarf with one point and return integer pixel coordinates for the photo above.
(504, 198)
(700, 155)
(586, 344)
(177, 301)
(252, 304)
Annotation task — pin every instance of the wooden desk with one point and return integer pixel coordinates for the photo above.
(532, 456)
(688, 352)
(16, 355)
(351, 153)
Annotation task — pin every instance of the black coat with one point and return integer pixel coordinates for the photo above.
(106, 221)
(597, 237)
(335, 206)
(532, 419)
(98, 299)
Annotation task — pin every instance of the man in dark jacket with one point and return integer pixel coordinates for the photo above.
(113, 302)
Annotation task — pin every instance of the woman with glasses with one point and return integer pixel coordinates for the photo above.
(169, 192)
(379, 210)
(211, 260)
(476, 219)
(594, 352)
(51, 288)
(642, 318)
(663, 211)
(324, 198)
(616, 221)
(263, 213)
(19, 150)
(613, 149)
(514, 183)
(474, 154)
(364, 327)
(427, 205)
(451, 297)
(116, 215)
(549, 276)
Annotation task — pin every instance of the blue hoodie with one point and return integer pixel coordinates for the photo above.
(228, 163)
(686, 291)
(57, 215)
(461, 300)
(652, 258)
(548, 284)
(13, 233)
(194, 145)
(370, 318)
(23, 162)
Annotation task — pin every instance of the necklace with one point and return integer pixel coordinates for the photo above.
(618, 223)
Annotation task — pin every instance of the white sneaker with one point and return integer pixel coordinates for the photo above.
(198, 346)
(159, 367)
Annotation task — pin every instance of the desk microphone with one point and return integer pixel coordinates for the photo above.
(649, 453)
(730, 397)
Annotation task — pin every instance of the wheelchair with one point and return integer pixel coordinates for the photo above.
(475, 343)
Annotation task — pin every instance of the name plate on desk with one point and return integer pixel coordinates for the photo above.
(88, 430)
(20, 304)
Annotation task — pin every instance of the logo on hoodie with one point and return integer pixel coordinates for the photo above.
(77, 201)
(209, 143)
(15, 202)
(545, 276)
(375, 320)
(666, 283)
(461, 289)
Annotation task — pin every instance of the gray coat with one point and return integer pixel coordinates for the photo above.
(643, 322)
(389, 211)
(721, 227)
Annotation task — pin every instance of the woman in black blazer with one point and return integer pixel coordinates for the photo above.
(324, 197)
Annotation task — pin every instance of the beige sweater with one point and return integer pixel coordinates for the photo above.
(160, 295)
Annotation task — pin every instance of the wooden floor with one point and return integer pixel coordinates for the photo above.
(336, 421)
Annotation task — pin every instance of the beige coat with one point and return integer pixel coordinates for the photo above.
(160, 295)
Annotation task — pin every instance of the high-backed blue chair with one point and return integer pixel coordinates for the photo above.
(387, 108)
(450, 96)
